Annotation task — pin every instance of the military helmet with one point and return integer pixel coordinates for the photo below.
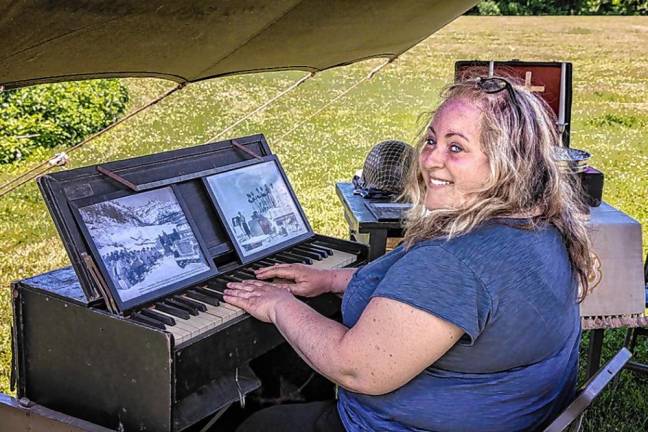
(385, 170)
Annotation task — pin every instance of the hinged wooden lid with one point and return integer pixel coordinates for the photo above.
(551, 80)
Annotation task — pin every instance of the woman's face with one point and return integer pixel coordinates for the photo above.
(451, 160)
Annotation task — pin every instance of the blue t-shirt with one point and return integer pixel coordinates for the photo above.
(513, 293)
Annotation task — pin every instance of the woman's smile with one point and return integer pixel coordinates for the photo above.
(434, 182)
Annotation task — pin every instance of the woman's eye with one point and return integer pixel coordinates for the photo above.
(454, 148)
(430, 141)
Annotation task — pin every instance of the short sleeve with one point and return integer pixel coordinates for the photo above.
(434, 280)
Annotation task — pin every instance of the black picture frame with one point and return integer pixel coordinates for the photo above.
(224, 209)
(132, 302)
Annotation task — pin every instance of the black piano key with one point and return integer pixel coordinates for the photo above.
(255, 266)
(146, 320)
(172, 302)
(305, 258)
(199, 306)
(295, 256)
(305, 253)
(263, 264)
(287, 260)
(214, 293)
(323, 246)
(242, 274)
(326, 250)
(216, 284)
(172, 310)
(332, 246)
(306, 247)
(249, 270)
(209, 292)
(210, 300)
(230, 278)
(272, 261)
(252, 269)
(158, 316)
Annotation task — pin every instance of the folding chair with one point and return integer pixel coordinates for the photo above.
(572, 416)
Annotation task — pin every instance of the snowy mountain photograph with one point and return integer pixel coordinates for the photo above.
(145, 242)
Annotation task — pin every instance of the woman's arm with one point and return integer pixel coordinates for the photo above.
(390, 344)
(339, 279)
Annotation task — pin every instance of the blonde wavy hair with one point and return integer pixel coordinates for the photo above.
(524, 180)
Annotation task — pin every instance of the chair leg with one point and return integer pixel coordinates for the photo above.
(576, 424)
(633, 340)
(631, 343)
(628, 337)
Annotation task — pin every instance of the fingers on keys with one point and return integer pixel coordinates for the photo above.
(229, 293)
(277, 270)
(247, 285)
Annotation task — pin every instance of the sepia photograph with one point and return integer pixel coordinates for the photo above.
(144, 241)
(257, 207)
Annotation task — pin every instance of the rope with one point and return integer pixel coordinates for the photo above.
(61, 159)
(263, 106)
(370, 75)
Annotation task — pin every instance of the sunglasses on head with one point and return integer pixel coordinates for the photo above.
(496, 85)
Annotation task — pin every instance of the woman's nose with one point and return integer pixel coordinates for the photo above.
(433, 157)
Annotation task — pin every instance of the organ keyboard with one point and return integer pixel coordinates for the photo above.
(201, 309)
(161, 359)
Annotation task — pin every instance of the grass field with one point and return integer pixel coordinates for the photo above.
(609, 119)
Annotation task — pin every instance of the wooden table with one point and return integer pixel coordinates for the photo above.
(363, 226)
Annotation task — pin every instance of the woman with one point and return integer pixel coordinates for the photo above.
(472, 324)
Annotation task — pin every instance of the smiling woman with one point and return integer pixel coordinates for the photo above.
(499, 142)
(472, 323)
(451, 160)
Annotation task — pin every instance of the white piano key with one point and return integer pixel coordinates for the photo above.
(202, 322)
(179, 335)
(184, 325)
(227, 312)
(236, 311)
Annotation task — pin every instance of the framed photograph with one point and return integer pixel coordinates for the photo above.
(145, 244)
(258, 208)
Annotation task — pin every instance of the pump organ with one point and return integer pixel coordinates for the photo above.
(174, 359)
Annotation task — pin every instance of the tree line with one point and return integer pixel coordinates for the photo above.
(561, 7)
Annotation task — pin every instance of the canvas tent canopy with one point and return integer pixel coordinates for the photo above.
(187, 41)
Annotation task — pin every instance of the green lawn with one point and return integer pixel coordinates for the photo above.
(609, 119)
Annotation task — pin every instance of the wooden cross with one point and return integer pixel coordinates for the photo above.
(528, 86)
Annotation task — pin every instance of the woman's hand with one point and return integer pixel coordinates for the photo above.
(306, 280)
(257, 298)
